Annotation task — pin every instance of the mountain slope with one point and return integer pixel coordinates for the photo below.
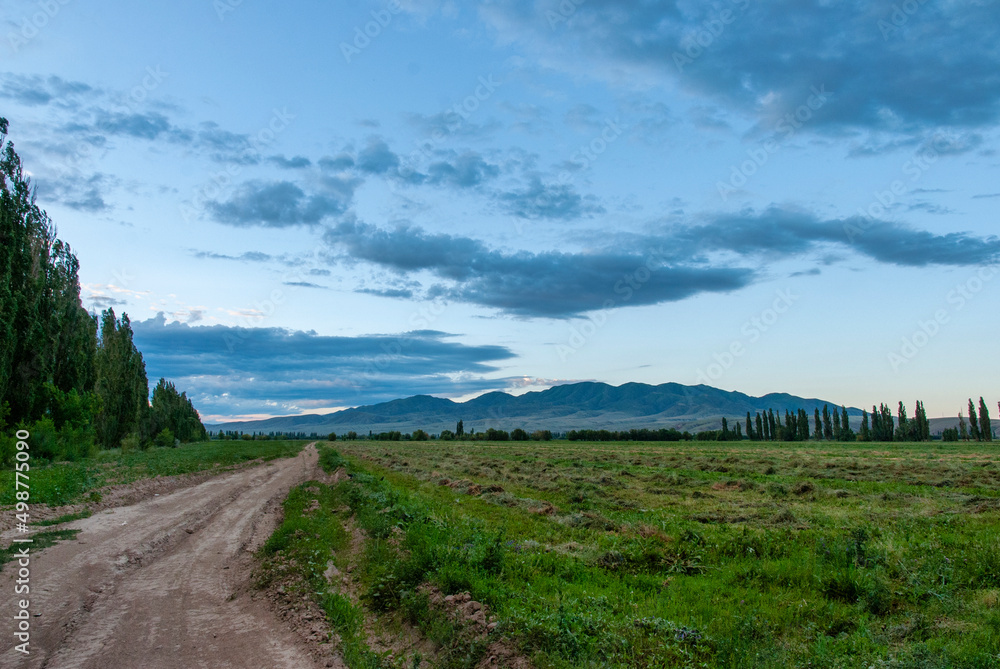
(560, 408)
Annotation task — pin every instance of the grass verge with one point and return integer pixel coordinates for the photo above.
(71, 482)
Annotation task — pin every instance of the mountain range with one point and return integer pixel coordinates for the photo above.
(589, 405)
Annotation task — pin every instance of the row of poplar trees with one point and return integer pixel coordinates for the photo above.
(71, 378)
(835, 425)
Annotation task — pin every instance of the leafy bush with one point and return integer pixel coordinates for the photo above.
(164, 439)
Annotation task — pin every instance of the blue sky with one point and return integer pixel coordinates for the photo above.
(315, 206)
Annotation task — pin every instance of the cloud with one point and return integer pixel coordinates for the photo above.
(984, 196)
(549, 284)
(763, 58)
(149, 126)
(82, 193)
(399, 293)
(553, 201)
(583, 117)
(464, 170)
(295, 163)
(450, 123)
(724, 253)
(782, 232)
(234, 370)
(337, 163)
(304, 284)
(34, 91)
(248, 256)
(281, 204)
(930, 208)
(377, 158)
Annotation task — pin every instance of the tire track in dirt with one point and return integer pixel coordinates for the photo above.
(163, 583)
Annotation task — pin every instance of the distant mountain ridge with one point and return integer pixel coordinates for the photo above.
(589, 405)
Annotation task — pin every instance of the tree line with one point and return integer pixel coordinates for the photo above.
(826, 425)
(73, 379)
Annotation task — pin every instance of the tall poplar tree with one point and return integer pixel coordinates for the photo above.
(985, 427)
(121, 383)
(973, 421)
(827, 425)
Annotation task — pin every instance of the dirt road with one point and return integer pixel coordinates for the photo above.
(162, 583)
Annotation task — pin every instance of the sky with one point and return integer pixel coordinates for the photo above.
(309, 206)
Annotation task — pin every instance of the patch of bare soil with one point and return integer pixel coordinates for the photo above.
(165, 582)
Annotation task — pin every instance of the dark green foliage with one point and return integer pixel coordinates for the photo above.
(173, 411)
(846, 433)
(662, 434)
(46, 337)
(164, 438)
(54, 365)
(974, 430)
(985, 428)
(827, 424)
(803, 424)
(121, 383)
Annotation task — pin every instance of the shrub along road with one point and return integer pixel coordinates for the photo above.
(150, 585)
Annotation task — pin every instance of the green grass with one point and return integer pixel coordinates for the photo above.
(691, 554)
(40, 541)
(69, 517)
(67, 483)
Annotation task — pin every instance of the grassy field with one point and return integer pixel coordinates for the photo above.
(692, 554)
(71, 482)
